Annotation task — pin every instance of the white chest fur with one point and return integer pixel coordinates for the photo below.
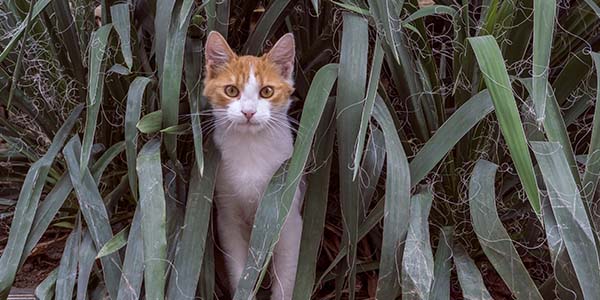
(248, 161)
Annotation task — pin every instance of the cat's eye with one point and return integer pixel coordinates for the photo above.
(231, 91)
(266, 92)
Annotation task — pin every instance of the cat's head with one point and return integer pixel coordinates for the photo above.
(249, 93)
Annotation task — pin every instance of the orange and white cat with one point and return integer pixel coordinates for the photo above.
(250, 97)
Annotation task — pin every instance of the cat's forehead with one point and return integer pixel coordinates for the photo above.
(243, 67)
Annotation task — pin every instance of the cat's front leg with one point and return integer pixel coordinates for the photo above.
(234, 242)
(285, 257)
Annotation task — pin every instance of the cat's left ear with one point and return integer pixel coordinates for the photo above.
(283, 54)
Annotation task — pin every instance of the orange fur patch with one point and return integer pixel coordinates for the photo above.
(237, 71)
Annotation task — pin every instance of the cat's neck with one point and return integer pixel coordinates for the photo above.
(274, 142)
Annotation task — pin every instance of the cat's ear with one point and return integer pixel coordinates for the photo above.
(283, 54)
(217, 52)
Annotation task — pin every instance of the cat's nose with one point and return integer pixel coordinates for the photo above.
(248, 114)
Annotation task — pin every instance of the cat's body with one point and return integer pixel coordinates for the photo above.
(250, 99)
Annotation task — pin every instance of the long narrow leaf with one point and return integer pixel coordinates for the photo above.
(544, 12)
(132, 116)
(494, 240)
(86, 258)
(120, 18)
(397, 199)
(440, 289)
(469, 277)
(67, 269)
(153, 209)
(494, 71)
(192, 244)
(133, 264)
(417, 264)
(351, 91)
(25, 210)
(573, 223)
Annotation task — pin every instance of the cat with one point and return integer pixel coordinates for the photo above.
(250, 97)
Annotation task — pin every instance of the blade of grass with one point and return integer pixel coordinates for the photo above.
(67, 269)
(544, 12)
(153, 209)
(57, 196)
(397, 205)
(133, 264)
(496, 78)
(266, 23)
(68, 33)
(469, 277)
(162, 19)
(217, 13)
(372, 167)
(446, 137)
(278, 198)
(172, 73)
(417, 265)
(132, 116)
(45, 290)
(315, 205)
(573, 223)
(566, 285)
(193, 82)
(120, 18)
(192, 244)
(350, 94)
(442, 265)
(87, 255)
(555, 127)
(96, 66)
(25, 210)
(368, 106)
(592, 167)
(493, 238)
(115, 244)
(94, 212)
(430, 11)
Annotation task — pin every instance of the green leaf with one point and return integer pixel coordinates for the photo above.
(87, 255)
(150, 123)
(368, 107)
(397, 205)
(277, 200)
(57, 196)
(493, 238)
(592, 167)
(153, 209)
(469, 277)
(193, 82)
(67, 269)
(544, 12)
(19, 63)
(172, 73)
(45, 290)
(352, 75)
(555, 127)
(448, 135)
(430, 11)
(96, 66)
(315, 205)
(442, 265)
(135, 98)
(352, 8)
(265, 25)
(417, 265)
(94, 212)
(194, 232)
(115, 244)
(25, 210)
(120, 18)
(565, 279)
(496, 78)
(133, 264)
(573, 223)
(162, 20)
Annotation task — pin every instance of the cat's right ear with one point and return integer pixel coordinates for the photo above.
(217, 52)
